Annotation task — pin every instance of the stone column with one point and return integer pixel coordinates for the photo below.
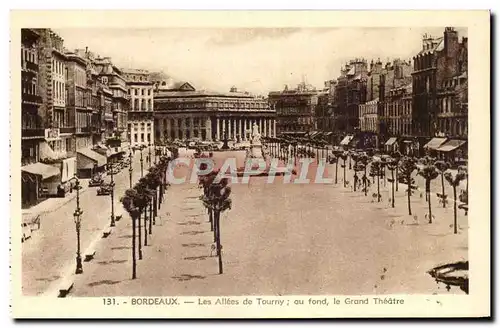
(234, 129)
(261, 126)
(208, 129)
(229, 132)
(191, 127)
(200, 122)
(218, 130)
(240, 129)
(169, 129)
(245, 129)
(176, 128)
(274, 128)
(183, 128)
(161, 127)
(269, 127)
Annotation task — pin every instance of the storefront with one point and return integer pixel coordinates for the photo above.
(391, 145)
(89, 162)
(38, 181)
(453, 151)
(432, 146)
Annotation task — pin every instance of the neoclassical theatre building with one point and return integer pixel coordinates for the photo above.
(182, 112)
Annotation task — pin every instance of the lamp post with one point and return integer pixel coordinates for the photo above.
(130, 169)
(149, 149)
(77, 216)
(142, 165)
(110, 169)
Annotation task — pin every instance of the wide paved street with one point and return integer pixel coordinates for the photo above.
(282, 239)
(50, 254)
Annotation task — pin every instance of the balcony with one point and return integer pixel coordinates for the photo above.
(28, 133)
(30, 66)
(67, 130)
(31, 99)
(83, 130)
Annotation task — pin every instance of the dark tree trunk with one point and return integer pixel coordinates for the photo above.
(344, 173)
(218, 244)
(139, 234)
(392, 176)
(134, 261)
(336, 169)
(146, 225)
(455, 229)
(378, 186)
(428, 193)
(442, 189)
(409, 194)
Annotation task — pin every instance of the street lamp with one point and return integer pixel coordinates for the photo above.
(112, 185)
(77, 217)
(142, 166)
(130, 169)
(149, 150)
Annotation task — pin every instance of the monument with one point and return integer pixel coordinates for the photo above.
(255, 144)
(225, 145)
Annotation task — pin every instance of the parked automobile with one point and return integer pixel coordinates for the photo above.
(96, 181)
(104, 190)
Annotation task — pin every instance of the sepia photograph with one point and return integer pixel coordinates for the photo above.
(191, 167)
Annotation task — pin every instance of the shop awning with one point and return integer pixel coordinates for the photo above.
(451, 145)
(43, 170)
(313, 134)
(435, 143)
(97, 158)
(346, 140)
(391, 141)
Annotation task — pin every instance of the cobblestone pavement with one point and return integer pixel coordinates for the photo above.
(282, 239)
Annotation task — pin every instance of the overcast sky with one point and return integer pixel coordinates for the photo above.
(255, 60)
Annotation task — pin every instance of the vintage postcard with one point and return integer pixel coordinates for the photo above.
(250, 164)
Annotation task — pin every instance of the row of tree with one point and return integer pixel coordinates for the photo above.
(142, 203)
(216, 200)
(402, 169)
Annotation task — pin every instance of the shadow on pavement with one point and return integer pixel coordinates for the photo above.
(194, 258)
(125, 236)
(120, 247)
(193, 233)
(49, 279)
(194, 245)
(188, 223)
(111, 262)
(103, 282)
(187, 277)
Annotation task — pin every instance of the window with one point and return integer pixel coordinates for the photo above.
(142, 137)
(135, 136)
(143, 92)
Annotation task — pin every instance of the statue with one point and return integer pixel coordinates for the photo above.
(255, 134)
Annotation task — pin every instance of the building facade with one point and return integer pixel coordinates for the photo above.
(368, 116)
(115, 94)
(350, 92)
(79, 106)
(141, 108)
(295, 109)
(182, 112)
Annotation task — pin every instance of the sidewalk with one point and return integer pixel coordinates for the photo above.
(178, 253)
(54, 203)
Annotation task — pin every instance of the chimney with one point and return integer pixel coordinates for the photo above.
(450, 41)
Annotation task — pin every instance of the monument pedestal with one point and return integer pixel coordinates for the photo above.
(256, 151)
